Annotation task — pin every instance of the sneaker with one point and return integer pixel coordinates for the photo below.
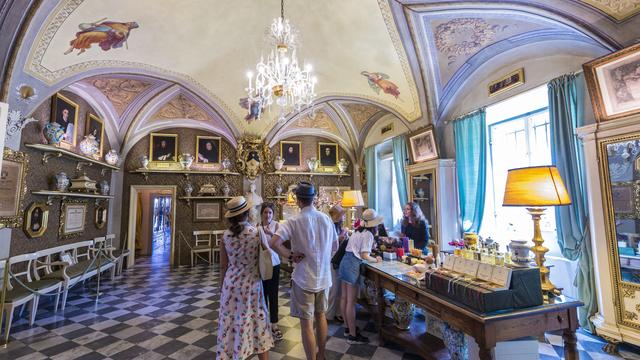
(346, 331)
(359, 339)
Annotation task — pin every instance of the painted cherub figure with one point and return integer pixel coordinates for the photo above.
(107, 34)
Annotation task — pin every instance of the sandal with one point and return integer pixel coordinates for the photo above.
(277, 334)
(338, 318)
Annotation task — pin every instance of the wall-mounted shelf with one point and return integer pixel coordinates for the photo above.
(280, 197)
(187, 173)
(188, 199)
(49, 151)
(51, 194)
(308, 173)
(420, 199)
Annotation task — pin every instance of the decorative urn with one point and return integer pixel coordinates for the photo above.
(53, 133)
(89, 146)
(83, 184)
(420, 193)
(226, 189)
(188, 189)
(402, 312)
(519, 252)
(111, 157)
(104, 187)
(62, 181)
(278, 190)
(278, 162)
(226, 164)
(313, 164)
(144, 161)
(343, 165)
(185, 160)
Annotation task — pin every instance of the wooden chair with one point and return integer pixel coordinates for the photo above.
(203, 244)
(217, 242)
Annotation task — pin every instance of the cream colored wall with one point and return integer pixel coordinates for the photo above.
(375, 137)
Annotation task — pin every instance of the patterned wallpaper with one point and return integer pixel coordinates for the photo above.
(184, 213)
(40, 177)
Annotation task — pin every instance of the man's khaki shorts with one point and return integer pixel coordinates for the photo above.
(305, 304)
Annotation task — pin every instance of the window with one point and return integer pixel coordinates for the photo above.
(387, 189)
(519, 136)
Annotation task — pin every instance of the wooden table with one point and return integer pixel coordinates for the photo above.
(486, 329)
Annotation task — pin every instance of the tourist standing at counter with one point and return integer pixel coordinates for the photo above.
(337, 215)
(414, 225)
(357, 252)
(269, 227)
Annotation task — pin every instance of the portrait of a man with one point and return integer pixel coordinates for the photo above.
(65, 113)
(207, 150)
(36, 220)
(95, 127)
(164, 147)
(328, 154)
(290, 152)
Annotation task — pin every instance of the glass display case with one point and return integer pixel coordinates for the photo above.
(422, 190)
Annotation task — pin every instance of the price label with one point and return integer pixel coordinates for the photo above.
(501, 276)
(485, 271)
(471, 268)
(460, 265)
(449, 261)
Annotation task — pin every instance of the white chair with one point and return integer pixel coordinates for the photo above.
(217, 242)
(15, 295)
(120, 254)
(202, 245)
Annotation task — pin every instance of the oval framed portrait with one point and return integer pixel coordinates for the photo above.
(36, 219)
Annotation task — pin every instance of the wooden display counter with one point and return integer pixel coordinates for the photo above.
(487, 329)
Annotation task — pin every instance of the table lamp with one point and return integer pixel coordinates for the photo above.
(351, 199)
(536, 187)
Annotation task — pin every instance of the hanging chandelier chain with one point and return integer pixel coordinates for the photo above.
(282, 9)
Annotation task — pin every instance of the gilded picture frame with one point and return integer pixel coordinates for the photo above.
(328, 156)
(422, 145)
(207, 157)
(613, 84)
(291, 152)
(159, 154)
(95, 127)
(73, 217)
(101, 216)
(506, 83)
(65, 112)
(13, 187)
(36, 220)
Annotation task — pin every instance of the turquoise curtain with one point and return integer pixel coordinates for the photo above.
(399, 157)
(371, 174)
(470, 134)
(566, 104)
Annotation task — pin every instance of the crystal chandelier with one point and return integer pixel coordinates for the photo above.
(280, 78)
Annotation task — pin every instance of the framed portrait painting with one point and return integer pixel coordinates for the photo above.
(328, 154)
(12, 187)
(36, 219)
(614, 84)
(163, 147)
(207, 211)
(65, 112)
(291, 152)
(95, 127)
(73, 215)
(422, 145)
(207, 150)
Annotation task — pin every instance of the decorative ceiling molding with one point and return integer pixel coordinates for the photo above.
(360, 113)
(318, 120)
(180, 107)
(620, 10)
(120, 91)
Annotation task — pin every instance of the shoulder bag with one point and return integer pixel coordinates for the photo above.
(265, 264)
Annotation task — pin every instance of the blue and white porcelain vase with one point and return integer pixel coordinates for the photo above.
(111, 157)
(62, 181)
(53, 133)
(402, 312)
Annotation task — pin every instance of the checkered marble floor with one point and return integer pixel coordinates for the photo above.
(155, 312)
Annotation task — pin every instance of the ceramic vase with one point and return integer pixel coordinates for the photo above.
(420, 193)
(278, 190)
(278, 162)
(226, 164)
(343, 165)
(62, 181)
(370, 292)
(313, 163)
(188, 189)
(519, 252)
(185, 161)
(53, 133)
(402, 312)
(89, 146)
(226, 190)
(111, 157)
(144, 161)
(104, 187)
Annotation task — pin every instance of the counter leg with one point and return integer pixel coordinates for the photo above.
(381, 311)
(570, 348)
(484, 353)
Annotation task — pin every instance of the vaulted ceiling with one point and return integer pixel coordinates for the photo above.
(185, 61)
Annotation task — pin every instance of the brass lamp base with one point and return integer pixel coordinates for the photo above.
(548, 289)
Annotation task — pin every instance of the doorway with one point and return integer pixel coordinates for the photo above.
(151, 229)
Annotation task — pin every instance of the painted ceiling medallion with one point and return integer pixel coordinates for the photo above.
(182, 108)
(618, 9)
(464, 36)
(107, 34)
(121, 92)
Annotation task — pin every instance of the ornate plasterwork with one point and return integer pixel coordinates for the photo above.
(320, 120)
(629, 315)
(360, 113)
(181, 107)
(464, 36)
(120, 91)
(628, 293)
(617, 9)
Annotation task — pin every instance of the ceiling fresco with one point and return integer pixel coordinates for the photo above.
(360, 113)
(618, 9)
(120, 91)
(180, 107)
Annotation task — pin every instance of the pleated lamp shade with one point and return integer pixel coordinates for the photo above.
(352, 198)
(535, 186)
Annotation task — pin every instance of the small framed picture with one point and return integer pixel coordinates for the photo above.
(163, 147)
(65, 113)
(100, 218)
(207, 211)
(207, 150)
(13, 187)
(73, 215)
(36, 219)
(291, 152)
(386, 129)
(95, 127)
(507, 82)
(614, 83)
(328, 154)
(423, 145)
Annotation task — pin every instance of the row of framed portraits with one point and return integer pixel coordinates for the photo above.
(291, 152)
(164, 148)
(65, 112)
(73, 216)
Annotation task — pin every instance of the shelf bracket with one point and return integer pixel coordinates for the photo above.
(145, 175)
(48, 155)
(186, 176)
(103, 172)
(82, 164)
(50, 200)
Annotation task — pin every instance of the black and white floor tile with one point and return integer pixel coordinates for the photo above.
(155, 312)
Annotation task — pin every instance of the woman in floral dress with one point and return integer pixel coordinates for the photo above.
(243, 325)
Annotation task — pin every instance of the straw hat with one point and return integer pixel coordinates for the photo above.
(236, 206)
(336, 212)
(371, 219)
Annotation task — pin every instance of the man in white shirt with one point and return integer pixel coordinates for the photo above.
(313, 240)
